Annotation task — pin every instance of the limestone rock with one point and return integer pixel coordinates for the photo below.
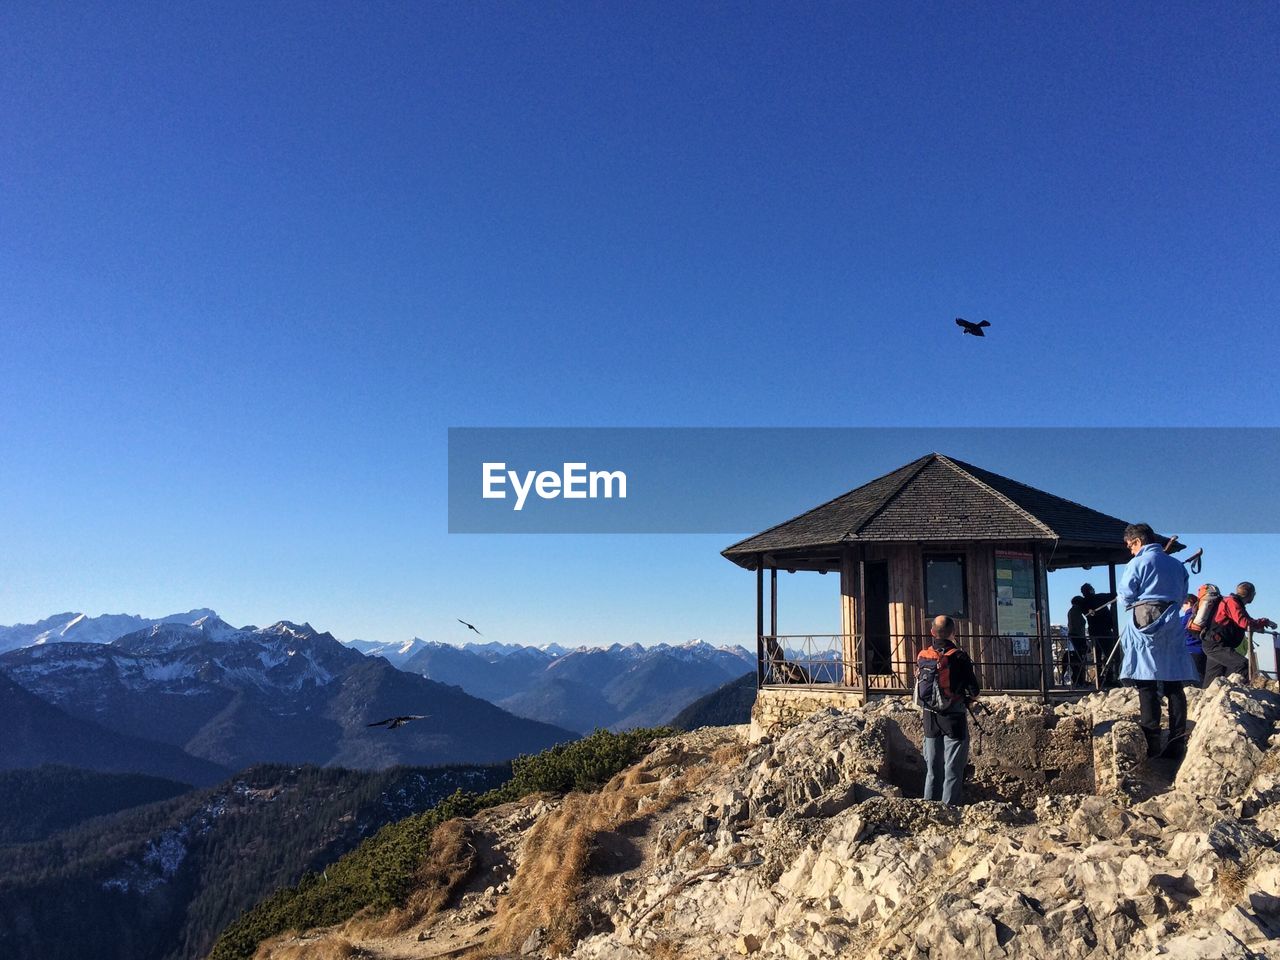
(1230, 737)
(1204, 945)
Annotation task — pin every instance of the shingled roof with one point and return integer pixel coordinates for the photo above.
(937, 498)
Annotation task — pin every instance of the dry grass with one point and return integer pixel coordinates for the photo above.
(546, 890)
(451, 859)
(1232, 878)
(327, 948)
(730, 753)
(665, 950)
(682, 839)
(1270, 763)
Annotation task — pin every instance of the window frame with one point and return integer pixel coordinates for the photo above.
(955, 557)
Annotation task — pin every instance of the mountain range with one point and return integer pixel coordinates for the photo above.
(233, 697)
(619, 686)
(578, 689)
(82, 628)
(398, 652)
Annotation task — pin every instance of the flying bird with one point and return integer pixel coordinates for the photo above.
(967, 326)
(471, 626)
(392, 722)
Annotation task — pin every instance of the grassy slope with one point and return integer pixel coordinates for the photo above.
(380, 872)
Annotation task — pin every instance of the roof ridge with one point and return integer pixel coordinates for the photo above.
(919, 460)
(1022, 511)
(920, 464)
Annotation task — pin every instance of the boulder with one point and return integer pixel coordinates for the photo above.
(1233, 727)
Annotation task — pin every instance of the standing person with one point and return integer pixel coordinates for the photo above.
(1103, 634)
(945, 686)
(1152, 589)
(1194, 647)
(1076, 652)
(1229, 625)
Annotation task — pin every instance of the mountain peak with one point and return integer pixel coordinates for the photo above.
(287, 628)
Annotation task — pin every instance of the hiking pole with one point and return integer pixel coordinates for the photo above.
(974, 714)
(1106, 666)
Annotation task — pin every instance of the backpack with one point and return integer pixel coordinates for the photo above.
(933, 679)
(1208, 598)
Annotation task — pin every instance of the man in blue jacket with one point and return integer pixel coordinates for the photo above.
(1152, 588)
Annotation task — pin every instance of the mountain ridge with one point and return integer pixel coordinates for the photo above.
(285, 693)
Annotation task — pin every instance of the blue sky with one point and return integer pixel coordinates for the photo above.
(256, 259)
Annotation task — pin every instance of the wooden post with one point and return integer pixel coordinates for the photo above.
(860, 623)
(1046, 645)
(1115, 619)
(773, 602)
(760, 621)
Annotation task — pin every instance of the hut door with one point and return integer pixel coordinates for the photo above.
(876, 580)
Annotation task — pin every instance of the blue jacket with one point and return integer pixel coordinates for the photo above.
(1158, 651)
(1193, 639)
(1152, 575)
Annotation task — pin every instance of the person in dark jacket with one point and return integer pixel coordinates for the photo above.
(1075, 654)
(946, 731)
(1229, 625)
(1103, 631)
(1194, 646)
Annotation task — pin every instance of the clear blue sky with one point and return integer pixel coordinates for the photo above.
(255, 259)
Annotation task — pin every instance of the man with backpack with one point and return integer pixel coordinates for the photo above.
(1230, 622)
(945, 686)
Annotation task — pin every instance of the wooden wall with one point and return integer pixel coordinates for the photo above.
(909, 622)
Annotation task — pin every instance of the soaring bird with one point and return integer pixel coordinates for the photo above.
(392, 722)
(471, 626)
(973, 328)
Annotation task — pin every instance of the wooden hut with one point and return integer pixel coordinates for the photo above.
(936, 536)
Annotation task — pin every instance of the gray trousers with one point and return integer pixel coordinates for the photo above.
(944, 760)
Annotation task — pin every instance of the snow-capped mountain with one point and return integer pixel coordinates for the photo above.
(81, 628)
(283, 693)
(618, 686)
(396, 651)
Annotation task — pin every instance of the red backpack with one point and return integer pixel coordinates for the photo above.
(933, 679)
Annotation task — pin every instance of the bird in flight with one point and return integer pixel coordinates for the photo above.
(392, 722)
(471, 626)
(967, 326)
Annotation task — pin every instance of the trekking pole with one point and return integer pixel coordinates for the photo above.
(974, 714)
(1106, 666)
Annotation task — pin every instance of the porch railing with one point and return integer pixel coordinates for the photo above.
(886, 663)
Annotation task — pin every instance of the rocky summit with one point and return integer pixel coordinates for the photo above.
(807, 842)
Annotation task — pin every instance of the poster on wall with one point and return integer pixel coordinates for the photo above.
(1016, 596)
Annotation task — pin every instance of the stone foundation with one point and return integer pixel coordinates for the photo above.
(1023, 750)
(777, 708)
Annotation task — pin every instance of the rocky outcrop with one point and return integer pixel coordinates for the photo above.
(806, 842)
(1229, 742)
(838, 863)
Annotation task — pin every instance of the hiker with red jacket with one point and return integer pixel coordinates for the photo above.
(945, 686)
(1230, 622)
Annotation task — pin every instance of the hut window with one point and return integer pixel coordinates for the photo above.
(944, 593)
